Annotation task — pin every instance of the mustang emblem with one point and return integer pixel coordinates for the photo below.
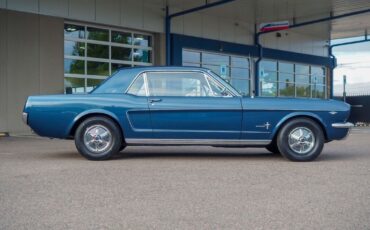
(266, 125)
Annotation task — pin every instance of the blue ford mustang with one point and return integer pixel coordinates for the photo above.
(185, 106)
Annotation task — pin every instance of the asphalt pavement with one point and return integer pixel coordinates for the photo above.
(46, 184)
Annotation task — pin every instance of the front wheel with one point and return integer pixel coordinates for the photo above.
(301, 139)
(98, 138)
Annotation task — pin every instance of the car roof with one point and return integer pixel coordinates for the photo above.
(164, 68)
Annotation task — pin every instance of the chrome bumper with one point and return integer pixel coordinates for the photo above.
(346, 125)
(25, 118)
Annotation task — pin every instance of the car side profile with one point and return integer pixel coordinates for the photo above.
(185, 106)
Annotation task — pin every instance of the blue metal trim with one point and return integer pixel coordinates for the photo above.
(170, 16)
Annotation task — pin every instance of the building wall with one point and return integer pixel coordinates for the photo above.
(148, 15)
(31, 49)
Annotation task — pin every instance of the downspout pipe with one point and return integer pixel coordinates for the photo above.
(260, 48)
(169, 17)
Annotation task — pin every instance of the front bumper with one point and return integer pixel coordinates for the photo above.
(25, 118)
(345, 125)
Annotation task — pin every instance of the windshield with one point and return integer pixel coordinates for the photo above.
(223, 81)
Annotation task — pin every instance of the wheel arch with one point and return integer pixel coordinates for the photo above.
(293, 116)
(83, 116)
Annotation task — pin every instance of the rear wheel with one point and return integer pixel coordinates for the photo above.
(98, 138)
(301, 139)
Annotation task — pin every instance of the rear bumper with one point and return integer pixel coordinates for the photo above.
(346, 125)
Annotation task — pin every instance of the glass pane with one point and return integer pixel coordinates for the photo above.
(286, 67)
(318, 79)
(241, 85)
(74, 66)
(239, 62)
(74, 48)
(268, 65)
(215, 59)
(116, 66)
(92, 84)
(97, 34)
(97, 68)
(122, 37)
(138, 87)
(302, 79)
(316, 70)
(142, 55)
(303, 90)
(286, 89)
(74, 31)
(269, 76)
(74, 85)
(142, 40)
(190, 56)
(178, 84)
(269, 89)
(302, 69)
(318, 91)
(286, 77)
(120, 53)
(239, 73)
(97, 51)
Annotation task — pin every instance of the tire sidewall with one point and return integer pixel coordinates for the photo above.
(108, 124)
(283, 143)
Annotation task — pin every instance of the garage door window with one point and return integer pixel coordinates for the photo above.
(92, 53)
(283, 79)
(234, 69)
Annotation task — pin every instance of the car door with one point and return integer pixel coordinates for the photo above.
(190, 105)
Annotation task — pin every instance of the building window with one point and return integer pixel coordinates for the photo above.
(234, 69)
(284, 79)
(92, 53)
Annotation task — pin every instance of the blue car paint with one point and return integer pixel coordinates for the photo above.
(179, 117)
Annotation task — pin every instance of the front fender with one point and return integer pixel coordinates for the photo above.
(299, 114)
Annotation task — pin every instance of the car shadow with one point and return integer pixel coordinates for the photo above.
(133, 153)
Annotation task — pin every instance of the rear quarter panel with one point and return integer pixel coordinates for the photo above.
(54, 116)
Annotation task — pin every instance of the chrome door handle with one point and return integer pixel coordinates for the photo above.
(152, 100)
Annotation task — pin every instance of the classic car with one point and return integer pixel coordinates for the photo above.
(185, 106)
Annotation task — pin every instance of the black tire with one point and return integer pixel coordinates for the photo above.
(122, 147)
(103, 123)
(289, 133)
(273, 148)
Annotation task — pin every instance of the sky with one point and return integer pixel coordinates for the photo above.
(354, 62)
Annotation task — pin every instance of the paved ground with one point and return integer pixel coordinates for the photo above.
(45, 184)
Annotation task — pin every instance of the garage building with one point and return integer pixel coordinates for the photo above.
(70, 46)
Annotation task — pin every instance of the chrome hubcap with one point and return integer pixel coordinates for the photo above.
(301, 140)
(97, 138)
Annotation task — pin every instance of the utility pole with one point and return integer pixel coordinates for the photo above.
(344, 87)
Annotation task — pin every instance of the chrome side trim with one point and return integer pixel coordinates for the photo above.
(25, 118)
(346, 125)
(135, 141)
